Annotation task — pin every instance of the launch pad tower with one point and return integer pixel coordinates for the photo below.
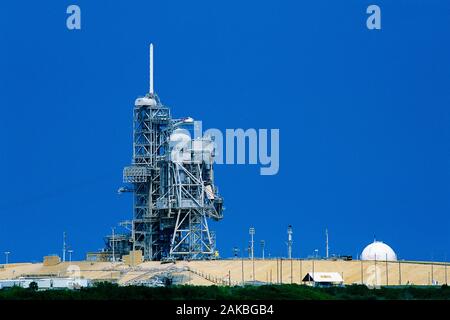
(172, 181)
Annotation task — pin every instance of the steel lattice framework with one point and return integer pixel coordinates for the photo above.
(173, 196)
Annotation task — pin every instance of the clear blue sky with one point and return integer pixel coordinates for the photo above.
(363, 118)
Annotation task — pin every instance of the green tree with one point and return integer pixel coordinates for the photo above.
(33, 286)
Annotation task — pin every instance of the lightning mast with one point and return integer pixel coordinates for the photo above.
(151, 91)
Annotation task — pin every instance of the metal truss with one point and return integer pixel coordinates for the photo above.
(173, 200)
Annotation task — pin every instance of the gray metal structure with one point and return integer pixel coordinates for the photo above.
(172, 182)
(289, 242)
(251, 231)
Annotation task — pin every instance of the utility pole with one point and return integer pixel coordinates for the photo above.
(387, 271)
(362, 273)
(289, 243)
(301, 272)
(292, 275)
(446, 283)
(242, 269)
(313, 275)
(376, 273)
(445, 268)
(281, 270)
(253, 269)
(278, 273)
(263, 244)
(432, 269)
(432, 273)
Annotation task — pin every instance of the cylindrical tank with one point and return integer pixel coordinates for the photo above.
(145, 102)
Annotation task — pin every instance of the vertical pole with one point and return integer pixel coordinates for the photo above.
(264, 247)
(229, 278)
(278, 273)
(301, 271)
(242, 269)
(113, 246)
(446, 283)
(64, 247)
(281, 270)
(151, 69)
(289, 243)
(253, 266)
(313, 273)
(432, 273)
(292, 278)
(252, 252)
(376, 273)
(362, 273)
(263, 244)
(399, 273)
(326, 243)
(270, 275)
(445, 268)
(387, 272)
(252, 233)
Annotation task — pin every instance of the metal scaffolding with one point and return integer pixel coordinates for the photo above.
(173, 185)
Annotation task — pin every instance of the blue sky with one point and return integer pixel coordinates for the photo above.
(363, 118)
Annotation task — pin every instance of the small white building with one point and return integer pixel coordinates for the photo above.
(378, 251)
(323, 279)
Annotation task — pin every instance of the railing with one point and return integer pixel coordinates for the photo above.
(221, 281)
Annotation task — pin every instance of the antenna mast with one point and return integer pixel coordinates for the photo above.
(326, 243)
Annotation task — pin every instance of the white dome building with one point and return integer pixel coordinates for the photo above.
(378, 251)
